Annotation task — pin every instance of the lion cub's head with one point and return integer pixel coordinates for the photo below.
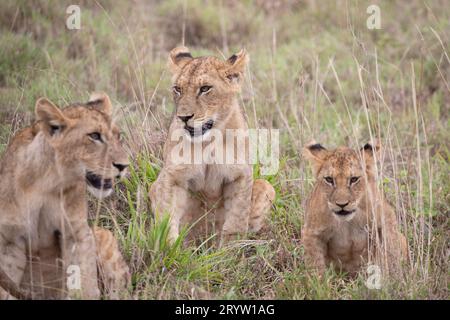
(343, 175)
(85, 142)
(204, 88)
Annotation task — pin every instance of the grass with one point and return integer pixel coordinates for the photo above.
(316, 71)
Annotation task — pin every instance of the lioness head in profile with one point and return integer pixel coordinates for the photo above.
(344, 175)
(204, 88)
(85, 142)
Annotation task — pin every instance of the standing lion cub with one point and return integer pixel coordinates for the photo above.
(205, 92)
(347, 217)
(47, 249)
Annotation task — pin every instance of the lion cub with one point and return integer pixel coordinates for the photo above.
(45, 238)
(347, 218)
(205, 92)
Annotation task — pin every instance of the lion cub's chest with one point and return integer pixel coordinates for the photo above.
(348, 245)
(210, 179)
(47, 226)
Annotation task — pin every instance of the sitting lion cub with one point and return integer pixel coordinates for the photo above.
(344, 209)
(205, 92)
(47, 249)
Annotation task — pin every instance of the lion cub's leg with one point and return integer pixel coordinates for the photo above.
(315, 250)
(13, 262)
(393, 242)
(237, 196)
(263, 195)
(179, 203)
(114, 274)
(79, 251)
(44, 275)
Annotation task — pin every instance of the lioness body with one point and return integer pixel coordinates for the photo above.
(347, 218)
(43, 208)
(205, 91)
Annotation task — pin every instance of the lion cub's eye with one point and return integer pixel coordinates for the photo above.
(95, 136)
(205, 89)
(329, 180)
(176, 90)
(354, 180)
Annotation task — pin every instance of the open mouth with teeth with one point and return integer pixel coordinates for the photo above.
(344, 212)
(98, 182)
(195, 132)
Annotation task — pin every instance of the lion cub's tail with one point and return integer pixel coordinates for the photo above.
(263, 195)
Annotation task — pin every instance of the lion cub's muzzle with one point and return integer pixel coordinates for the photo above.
(199, 131)
(342, 210)
(98, 182)
(101, 186)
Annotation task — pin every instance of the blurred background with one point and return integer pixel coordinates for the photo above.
(316, 72)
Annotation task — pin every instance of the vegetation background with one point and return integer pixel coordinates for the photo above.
(316, 71)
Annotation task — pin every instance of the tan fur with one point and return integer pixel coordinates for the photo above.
(43, 208)
(346, 240)
(114, 274)
(221, 191)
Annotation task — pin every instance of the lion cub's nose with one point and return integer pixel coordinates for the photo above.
(342, 204)
(185, 118)
(120, 166)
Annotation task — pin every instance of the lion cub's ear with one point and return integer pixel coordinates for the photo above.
(235, 66)
(51, 116)
(370, 152)
(178, 58)
(101, 101)
(316, 154)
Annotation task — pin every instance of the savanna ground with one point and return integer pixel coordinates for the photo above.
(316, 71)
